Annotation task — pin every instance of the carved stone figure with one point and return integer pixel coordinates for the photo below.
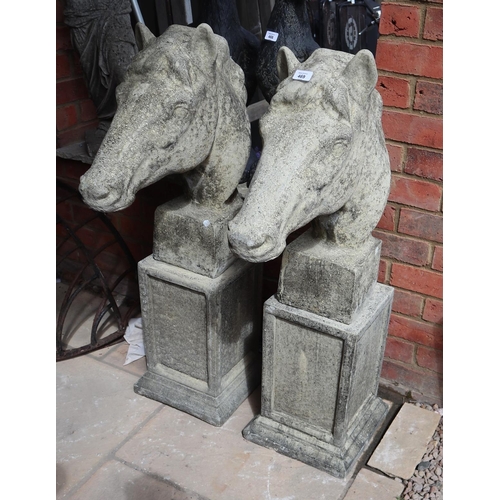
(222, 17)
(324, 157)
(102, 35)
(181, 109)
(324, 332)
(290, 20)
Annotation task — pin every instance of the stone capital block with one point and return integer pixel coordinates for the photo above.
(320, 381)
(326, 279)
(201, 337)
(194, 236)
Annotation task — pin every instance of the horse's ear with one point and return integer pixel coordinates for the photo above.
(217, 47)
(361, 75)
(286, 62)
(205, 29)
(143, 36)
(214, 51)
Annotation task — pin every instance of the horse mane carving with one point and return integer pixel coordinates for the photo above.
(181, 110)
(222, 16)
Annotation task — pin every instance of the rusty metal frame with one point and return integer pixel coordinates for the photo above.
(97, 279)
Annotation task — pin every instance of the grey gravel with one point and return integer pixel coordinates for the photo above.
(427, 480)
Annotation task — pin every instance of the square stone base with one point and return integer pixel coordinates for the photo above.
(194, 237)
(320, 382)
(201, 337)
(323, 278)
(335, 460)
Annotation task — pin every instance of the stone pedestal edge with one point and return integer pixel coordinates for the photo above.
(214, 410)
(338, 462)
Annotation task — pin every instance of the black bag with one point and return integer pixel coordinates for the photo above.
(348, 26)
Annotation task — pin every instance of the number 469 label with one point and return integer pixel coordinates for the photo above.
(271, 35)
(302, 75)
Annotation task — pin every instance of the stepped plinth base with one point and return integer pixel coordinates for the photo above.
(335, 460)
(320, 381)
(201, 337)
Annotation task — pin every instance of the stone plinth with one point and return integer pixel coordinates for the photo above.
(326, 279)
(201, 336)
(319, 382)
(193, 236)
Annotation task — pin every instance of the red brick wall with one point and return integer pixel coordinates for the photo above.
(410, 65)
(409, 60)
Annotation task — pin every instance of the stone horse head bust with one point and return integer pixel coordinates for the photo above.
(324, 157)
(181, 110)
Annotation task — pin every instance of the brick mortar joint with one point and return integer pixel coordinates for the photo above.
(420, 346)
(72, 77)
(420, 294)
(426, 267)
(402, 40)
(397, 213)
(405, 235)
(413, 81)
(415, 146)
(421, 211)
(422, 369)
(423, 18)
(432, 245)
(403, 341)
(412, 3)
(82, 125)
(413, 112)
(393, 260)
(407, 176)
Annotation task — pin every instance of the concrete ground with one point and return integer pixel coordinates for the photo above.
(115, 444)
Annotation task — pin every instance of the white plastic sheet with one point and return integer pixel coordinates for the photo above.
(134, 337)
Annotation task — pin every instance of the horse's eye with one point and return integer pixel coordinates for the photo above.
(181, 112)
(340, 147)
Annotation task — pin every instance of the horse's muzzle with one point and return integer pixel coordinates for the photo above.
(258, 247)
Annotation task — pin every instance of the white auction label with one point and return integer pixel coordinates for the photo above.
(271, 35)
(302, 75)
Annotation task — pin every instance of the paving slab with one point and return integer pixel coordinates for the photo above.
(115, 355)
(219, 464)
(117, 481)
(405, 441)
(369, 485)
(97, 409)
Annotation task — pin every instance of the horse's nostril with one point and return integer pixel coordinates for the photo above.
(256, 242)
(247, 241)
(101, 192)
(96, 191)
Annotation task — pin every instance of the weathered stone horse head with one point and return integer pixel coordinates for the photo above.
(324, 157)
(181, 110)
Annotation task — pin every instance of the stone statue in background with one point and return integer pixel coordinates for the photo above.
(324, 157)
(222, 17)
(290, 20)
(102, 34)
